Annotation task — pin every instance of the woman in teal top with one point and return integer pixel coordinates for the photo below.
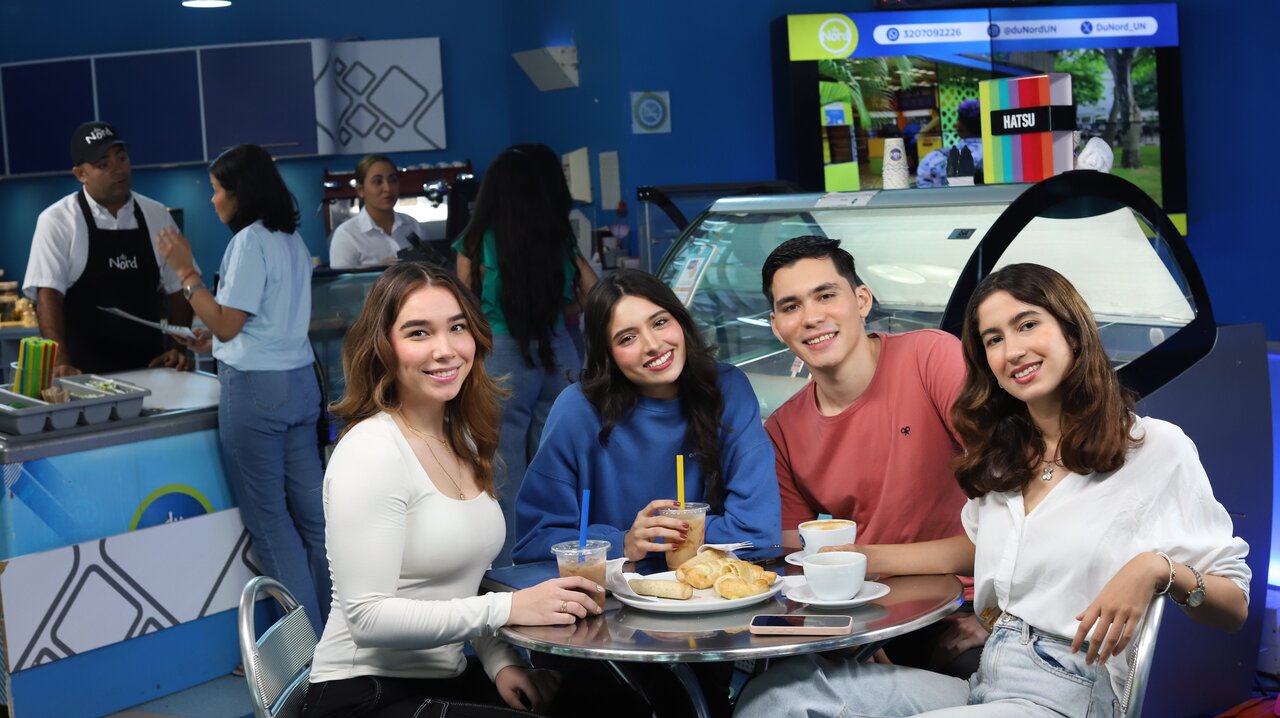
(518, 254)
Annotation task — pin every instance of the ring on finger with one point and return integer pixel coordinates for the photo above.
(564, 607)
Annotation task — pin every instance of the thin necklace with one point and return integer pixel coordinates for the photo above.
(424, 435)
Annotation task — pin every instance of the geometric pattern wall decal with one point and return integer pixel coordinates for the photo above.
(74, 599)
(380, 96)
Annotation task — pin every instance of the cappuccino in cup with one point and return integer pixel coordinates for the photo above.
(814, 535)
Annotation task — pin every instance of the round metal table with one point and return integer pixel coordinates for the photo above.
(630, 634)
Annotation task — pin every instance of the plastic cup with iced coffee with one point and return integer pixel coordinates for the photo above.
(587, 561)
(694, 514)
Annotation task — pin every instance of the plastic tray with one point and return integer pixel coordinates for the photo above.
(126, 403)
(88, 405)
(95, 406)
(21, 414)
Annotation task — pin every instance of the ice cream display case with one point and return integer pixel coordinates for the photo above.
(922, 253)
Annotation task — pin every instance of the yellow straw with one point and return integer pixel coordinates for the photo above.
(680, 480)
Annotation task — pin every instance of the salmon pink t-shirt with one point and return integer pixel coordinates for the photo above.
(884, 460)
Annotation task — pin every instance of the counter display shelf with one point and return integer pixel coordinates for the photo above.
(922, 253)
(337, 297)
(121, 556)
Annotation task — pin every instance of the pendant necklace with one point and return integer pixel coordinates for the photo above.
(425, 436)
(1047, 474)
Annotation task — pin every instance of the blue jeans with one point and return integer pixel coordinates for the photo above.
(533, 390)
(267, 432)
(1023, 673)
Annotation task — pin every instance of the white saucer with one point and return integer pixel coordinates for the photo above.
(871, 590)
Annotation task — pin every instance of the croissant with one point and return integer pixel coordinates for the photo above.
(734, 587)
(703, 575)
(702, 570)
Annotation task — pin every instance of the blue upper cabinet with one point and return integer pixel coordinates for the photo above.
(153, 99)
(43, 103)
(259, 94)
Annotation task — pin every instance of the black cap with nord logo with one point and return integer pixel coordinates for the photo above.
(91, 141)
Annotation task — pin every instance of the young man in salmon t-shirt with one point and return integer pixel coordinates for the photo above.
(870, 438)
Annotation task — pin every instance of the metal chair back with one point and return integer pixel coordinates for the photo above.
(1141, 654)
(277, 664)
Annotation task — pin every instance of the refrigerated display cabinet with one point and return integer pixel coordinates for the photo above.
(922, 253)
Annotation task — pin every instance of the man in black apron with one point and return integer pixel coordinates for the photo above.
(120, 271)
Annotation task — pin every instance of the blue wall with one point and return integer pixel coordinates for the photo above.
(473, 52)
(712, 55)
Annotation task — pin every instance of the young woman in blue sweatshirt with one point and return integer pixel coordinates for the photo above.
(651, 389)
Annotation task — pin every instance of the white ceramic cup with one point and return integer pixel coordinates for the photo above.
(814, 535)
(835, 575)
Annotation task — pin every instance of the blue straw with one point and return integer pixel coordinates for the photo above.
(582, 526)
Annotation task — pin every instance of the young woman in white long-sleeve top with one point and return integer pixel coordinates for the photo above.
(1080, 512)
(412, 522)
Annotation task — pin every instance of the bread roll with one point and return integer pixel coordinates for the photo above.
(661, 588)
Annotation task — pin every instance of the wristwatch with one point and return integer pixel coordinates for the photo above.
(1196, 597)
(190, 289)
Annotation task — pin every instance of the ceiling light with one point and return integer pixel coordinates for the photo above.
(206, 3)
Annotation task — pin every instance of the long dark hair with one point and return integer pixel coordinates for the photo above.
(472, 418)
(614, 396)
(525, 202)
(1002, 444)
(248, 174)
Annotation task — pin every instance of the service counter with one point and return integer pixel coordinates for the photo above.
(122, 556)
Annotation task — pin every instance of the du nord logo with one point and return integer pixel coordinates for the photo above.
(836, 36)
(97, 134)
(123, 262)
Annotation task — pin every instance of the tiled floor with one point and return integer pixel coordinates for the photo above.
(226, 697)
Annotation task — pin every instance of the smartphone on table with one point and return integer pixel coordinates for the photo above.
(801, 625)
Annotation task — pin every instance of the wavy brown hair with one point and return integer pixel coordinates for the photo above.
(472, 418)
(1002, 443)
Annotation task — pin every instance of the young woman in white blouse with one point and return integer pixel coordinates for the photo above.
(1079, 513)
(412, 522)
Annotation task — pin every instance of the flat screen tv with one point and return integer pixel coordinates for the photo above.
(843, 83)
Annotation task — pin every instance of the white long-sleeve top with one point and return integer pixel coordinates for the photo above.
(1046, 567)
(406, 561)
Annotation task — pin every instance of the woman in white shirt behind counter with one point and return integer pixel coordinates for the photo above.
(1079, 513)
(373, 237)
(413, 522)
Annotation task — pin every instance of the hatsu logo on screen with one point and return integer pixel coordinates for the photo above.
(123, 262)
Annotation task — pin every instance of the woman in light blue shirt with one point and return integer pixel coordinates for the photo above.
(270, 397)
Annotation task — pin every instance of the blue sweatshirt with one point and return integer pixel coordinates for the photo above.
(638, 465)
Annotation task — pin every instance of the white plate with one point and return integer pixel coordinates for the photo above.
(800, 593)
(795, 559)
(704, 600)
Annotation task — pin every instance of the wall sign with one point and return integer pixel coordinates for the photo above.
(650, 113)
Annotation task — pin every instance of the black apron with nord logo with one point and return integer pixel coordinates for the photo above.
(121, 272)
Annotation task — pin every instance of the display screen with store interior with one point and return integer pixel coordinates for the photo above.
(844, 83)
